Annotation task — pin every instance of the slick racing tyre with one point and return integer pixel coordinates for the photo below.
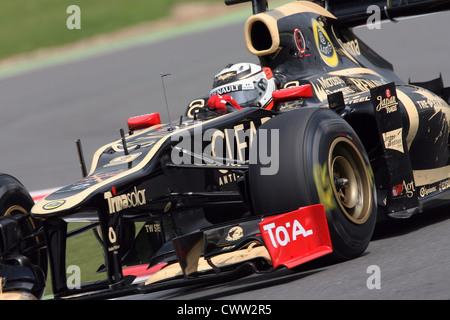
(16, 202)
(321, 160)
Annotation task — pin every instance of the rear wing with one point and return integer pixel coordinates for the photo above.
(352, 13)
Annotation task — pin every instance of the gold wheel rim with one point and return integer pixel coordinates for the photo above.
(350, 180)
(22, 210)
(15, 208)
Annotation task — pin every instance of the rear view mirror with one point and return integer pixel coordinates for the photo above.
(144, 121)
(292, 93)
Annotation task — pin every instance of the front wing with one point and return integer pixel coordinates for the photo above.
(287, 239)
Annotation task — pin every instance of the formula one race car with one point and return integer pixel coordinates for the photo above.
(343, 144)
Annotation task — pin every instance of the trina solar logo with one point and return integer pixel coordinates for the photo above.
(125, 201)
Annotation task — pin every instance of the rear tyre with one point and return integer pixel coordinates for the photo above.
(321, 160)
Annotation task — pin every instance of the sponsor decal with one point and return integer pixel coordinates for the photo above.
(424, 191)
(431, 100)
(389, 103)
(402, 193)
(233, 88)
(329, 85)
(409, 189)
(296, 237)
(358, 98)
(280, 236)
(268, 72)
(84, 183)
(227, 89)
(112, 237)
(329, 82)
(235, 234)
(436, 187)
(123, 159)
(227, 177)
(388, 93)
(118, 203)
(153, 227)
(324, 45)
(146, 139)
(397, 190)
(300, 43)
(194, 107)
(444, 185)
(54, 204)
(364, 85)
(352, 47)
(394, 140)
(229, 147)
(226, 76)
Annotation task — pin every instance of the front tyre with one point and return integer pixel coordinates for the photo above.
(321, 160)
(29, 252)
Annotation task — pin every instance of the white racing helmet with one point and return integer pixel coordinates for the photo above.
(247, 83)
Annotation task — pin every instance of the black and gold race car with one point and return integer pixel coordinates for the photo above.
(345, 144)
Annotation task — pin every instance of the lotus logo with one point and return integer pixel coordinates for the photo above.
(54, 204)
(324, 45)
(235, 233)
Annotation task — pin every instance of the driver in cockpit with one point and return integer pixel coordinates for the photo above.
(242, 85)
(238, 86)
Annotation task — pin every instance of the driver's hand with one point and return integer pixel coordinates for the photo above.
(223, 103)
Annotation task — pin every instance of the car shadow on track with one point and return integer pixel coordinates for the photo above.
(254, 282)
(250, 283)
(398, 227)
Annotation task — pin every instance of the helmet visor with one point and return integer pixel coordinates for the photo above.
(245, 98)
(245, 92)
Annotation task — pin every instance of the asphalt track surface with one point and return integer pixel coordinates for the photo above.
(44, 110)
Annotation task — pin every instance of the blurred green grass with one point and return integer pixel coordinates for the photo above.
(85, 252)
(27, 25)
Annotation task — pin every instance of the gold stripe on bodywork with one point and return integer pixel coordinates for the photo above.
(429, 176)
(302, 7)
(353, 72)
(413, 116)
(74, 200)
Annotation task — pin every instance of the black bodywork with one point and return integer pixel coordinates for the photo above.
(347, 88)
(136, 179)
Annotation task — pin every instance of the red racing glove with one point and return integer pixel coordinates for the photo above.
(219, 103)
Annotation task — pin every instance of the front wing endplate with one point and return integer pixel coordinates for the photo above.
(297, 237)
